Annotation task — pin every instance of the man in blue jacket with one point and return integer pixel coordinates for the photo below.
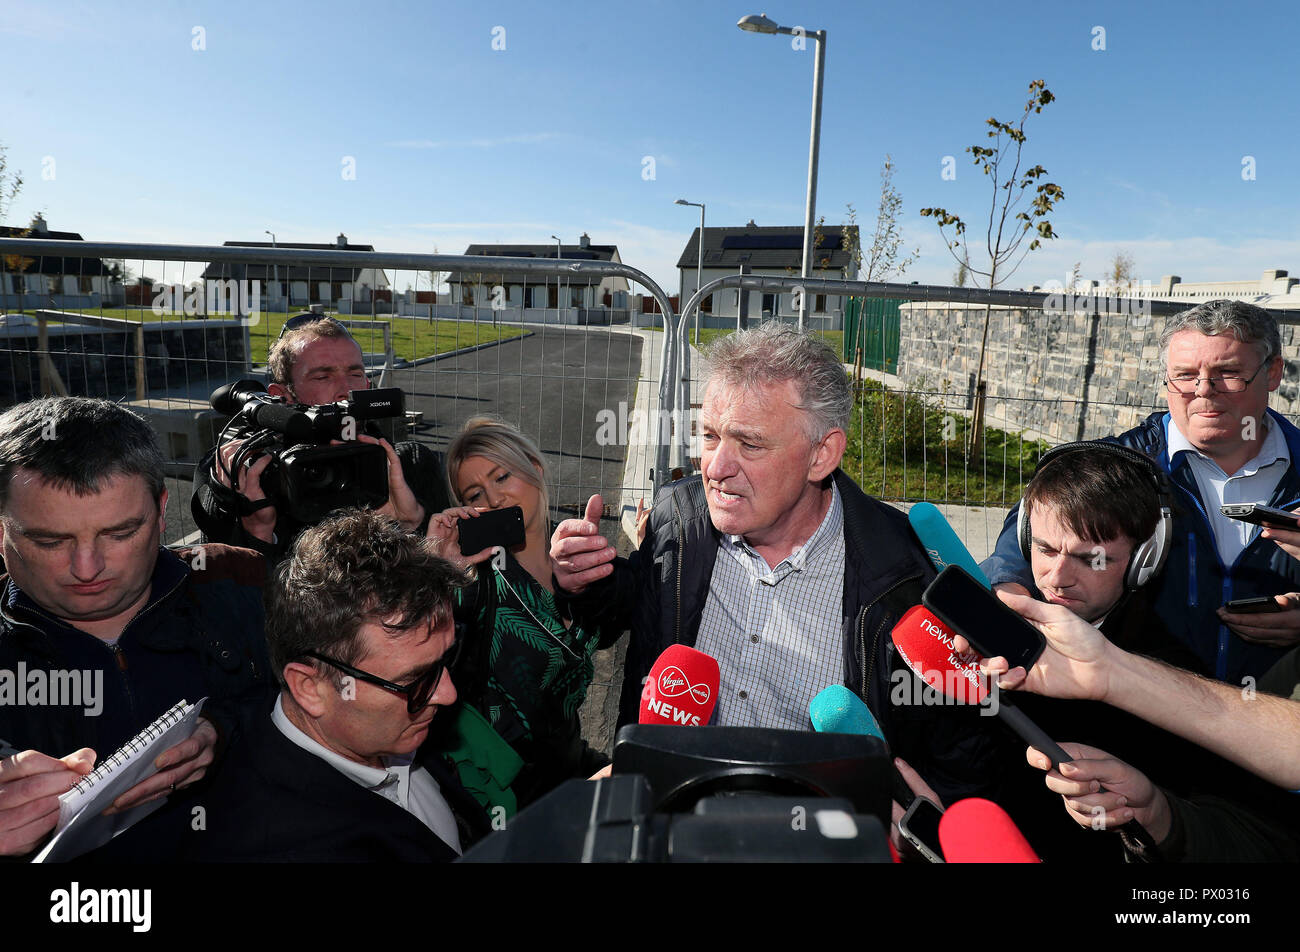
(775, 563)
(1219, 443)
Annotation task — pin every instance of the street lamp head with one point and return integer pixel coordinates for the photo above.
(757, 24)
(681, 201)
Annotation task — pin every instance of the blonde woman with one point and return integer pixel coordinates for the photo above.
(526, 665)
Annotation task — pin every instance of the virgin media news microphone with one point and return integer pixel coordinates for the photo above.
(682, 688)
(979, 831)
(941, 542)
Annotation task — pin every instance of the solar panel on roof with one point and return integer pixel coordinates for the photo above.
(792, 241)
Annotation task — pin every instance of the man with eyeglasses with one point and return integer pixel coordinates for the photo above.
(315, 361)
(361, 637)
(1219, 444)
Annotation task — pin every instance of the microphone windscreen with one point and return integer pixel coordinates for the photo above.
(979, 831)
(926, 646)
(941, 543)
(837, 710)
(682, 688)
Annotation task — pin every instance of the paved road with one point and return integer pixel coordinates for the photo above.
(552, 385)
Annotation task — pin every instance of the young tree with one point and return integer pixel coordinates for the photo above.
(1010, 219)
(880, 261)
(881, 258)
(961, 275)
(11, 183)
(1120, 273)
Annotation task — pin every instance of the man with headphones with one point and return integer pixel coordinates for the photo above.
(1094, 526)
(1219, 445)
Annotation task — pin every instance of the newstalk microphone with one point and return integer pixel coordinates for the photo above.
(681, 689)
(926, 646)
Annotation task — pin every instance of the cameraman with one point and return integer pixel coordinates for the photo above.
(313, 363)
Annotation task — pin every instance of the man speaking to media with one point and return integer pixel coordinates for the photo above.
(775, 563)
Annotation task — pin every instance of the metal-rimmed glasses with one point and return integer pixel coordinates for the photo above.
(1186, 383)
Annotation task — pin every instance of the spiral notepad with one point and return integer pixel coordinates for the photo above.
(82, 827)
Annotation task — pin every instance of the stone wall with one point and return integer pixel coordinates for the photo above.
(1059, 374)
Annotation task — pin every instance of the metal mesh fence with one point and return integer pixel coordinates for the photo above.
(563, 350)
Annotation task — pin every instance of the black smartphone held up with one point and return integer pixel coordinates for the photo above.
(971, 610)
(920, 827)
(1261, 515)
(503, 527)
(1259, 605)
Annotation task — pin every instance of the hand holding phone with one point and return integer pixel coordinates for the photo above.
(503, 527)
(975, 613)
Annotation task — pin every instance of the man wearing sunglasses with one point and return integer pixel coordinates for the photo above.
(361, 637)
(1219, 443)
(315, 361)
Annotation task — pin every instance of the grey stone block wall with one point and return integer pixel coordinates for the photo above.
(1061, 374)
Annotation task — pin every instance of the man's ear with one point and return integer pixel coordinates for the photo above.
(828, 455)
(280, 390)
(1275, 373)
(162, 514)
(307, 686)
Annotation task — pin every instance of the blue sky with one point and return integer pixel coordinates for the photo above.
(125, 131)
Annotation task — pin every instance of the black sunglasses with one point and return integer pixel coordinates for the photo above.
(417, 693)
(307, 317)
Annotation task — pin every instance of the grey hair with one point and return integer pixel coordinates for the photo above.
(774, 353)
(76, 443)
(1248, 323)
(502, 444)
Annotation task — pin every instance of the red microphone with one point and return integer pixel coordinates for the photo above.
(979, 831)
(926, 645)
(681, 689)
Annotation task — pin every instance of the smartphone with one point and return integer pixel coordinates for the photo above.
(1259, 605)
(503, 527)
(920, 827)
(1261, 515)
(971, 610)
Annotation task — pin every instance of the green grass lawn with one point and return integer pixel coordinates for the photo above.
(413, 337)
(904, 447)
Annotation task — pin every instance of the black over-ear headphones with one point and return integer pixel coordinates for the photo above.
(1149, 556)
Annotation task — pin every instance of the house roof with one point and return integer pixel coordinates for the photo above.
(295, 272)
(569, 252)
(45, 264)
(771, 246)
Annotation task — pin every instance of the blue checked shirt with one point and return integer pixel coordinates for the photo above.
(776, 632)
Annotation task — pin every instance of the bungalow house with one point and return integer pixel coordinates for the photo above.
(569, 299)
(768, 250)
(348, 290)
(54, 281)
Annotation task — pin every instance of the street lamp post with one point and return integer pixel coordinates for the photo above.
(558, 256)
(699, 268)
(275, 267)
(761, 24)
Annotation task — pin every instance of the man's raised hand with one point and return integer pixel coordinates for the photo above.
(580, 555)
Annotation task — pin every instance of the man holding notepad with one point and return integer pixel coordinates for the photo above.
(101, 630)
